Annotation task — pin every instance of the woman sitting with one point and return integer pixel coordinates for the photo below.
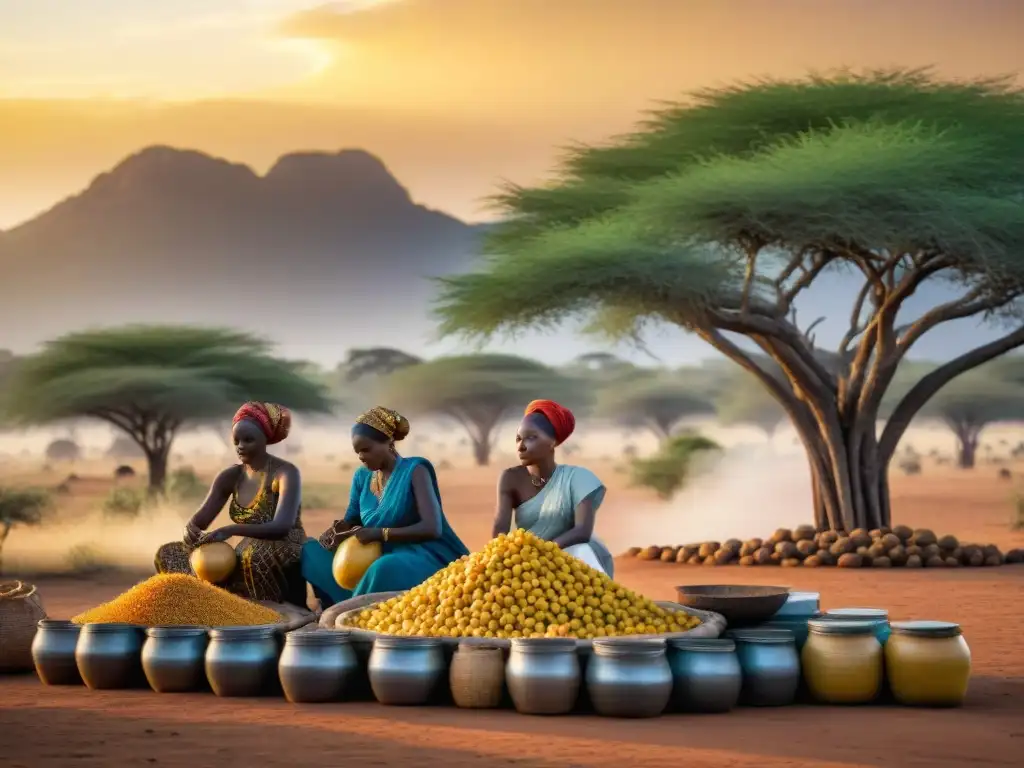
(393, 500)
(265, 494)
(555, 502)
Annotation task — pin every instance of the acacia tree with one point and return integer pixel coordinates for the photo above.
(972, 402)
(150, 381)
(20, 506)
(717, 214)
(744, 401)
(658, 402)
(376, 361)
(477, 391)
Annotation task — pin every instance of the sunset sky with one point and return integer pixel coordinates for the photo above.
(452, 94)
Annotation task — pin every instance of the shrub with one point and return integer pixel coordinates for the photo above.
(1017, 514)
(910, 465)
(124, 502)
(86, 559)
(184, 484)
(63, 450)
(667, 471)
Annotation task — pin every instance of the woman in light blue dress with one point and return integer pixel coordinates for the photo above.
(394, 500)
(556, 502)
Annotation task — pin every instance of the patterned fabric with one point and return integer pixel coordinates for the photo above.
(262, 563)
(275, 420)
(384, 420)
(561, 419)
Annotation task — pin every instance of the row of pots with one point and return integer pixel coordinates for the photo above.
(622, 677)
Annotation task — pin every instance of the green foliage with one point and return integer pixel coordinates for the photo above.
(124, 501)
(976, 399)
(184, 484)
(376, 361)
(659, 224)
(86, 560)
(21, 506)
(656, 401)
(477, 391)
(667, 471)
(743, 400)
(63, 449)
(181, 373)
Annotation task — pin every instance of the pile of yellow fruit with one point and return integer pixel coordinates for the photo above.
(521, 586)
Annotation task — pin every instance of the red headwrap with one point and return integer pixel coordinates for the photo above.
(275, 420)
(561, 418)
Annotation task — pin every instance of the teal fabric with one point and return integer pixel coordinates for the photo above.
(552, 512)
(402, 565)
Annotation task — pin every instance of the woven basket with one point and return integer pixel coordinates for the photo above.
(20, 610)
(477, 676)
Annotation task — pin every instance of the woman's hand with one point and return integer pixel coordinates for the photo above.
(193, 534)
(366, 535)
(221, 534)
(331, 538)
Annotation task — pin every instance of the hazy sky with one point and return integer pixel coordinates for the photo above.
(452, 94)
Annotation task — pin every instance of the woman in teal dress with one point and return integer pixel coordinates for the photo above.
(394, 500)
(555, 502)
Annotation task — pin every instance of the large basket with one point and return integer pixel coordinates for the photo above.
(20, 611)
(338, 617)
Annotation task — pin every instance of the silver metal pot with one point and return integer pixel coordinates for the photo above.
(108, 655)
(543, 675)
(629, 678)
(706, 674)
(53, 652)
(242, 661)
(771, 666)
(317, 666)
(173, 658)
(406, 670)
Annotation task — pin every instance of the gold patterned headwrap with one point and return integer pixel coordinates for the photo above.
(389, 423)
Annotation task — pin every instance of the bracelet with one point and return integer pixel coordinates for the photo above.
(385, 533)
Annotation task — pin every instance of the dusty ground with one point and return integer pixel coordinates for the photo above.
(50, 727)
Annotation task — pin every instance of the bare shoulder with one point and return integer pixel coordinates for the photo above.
(511, 477)
(228, 478)
(285, 469)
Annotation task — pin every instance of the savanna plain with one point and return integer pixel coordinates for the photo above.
(79, 558)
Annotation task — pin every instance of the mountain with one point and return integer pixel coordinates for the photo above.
(319, 250)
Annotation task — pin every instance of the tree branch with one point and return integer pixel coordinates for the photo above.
(926, 388)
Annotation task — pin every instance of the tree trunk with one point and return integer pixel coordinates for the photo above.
(3, 540)
(482, 452)
(967, 450)
(156, 459)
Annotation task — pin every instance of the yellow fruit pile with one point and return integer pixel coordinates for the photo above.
(521, 586)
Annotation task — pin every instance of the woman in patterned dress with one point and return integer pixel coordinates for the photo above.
(264, 493)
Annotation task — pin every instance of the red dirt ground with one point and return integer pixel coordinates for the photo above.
(44, 727)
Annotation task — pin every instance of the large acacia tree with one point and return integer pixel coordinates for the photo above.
(150, 381)
(478, 392)
(718, 213)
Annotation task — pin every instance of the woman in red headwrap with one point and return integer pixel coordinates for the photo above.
(556, 502)
(263, 493)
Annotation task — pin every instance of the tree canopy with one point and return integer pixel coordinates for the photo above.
(658, 402)
(972, 402)
(477, 391)
(20, 506)
(150, 380)
(718, 213)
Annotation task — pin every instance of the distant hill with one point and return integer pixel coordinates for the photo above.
(322, 246)
(322, 253)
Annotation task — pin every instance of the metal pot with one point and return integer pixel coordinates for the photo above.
(770, 664)
(53, 652)
(109, 655)
(317, 666)
(242, 661)
(629, 678)
(173, 658)
(543, 675)
(406, 670)
(706, 674)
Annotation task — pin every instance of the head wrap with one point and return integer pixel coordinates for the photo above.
(274, 420)
(559, 417)
(388, 424)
